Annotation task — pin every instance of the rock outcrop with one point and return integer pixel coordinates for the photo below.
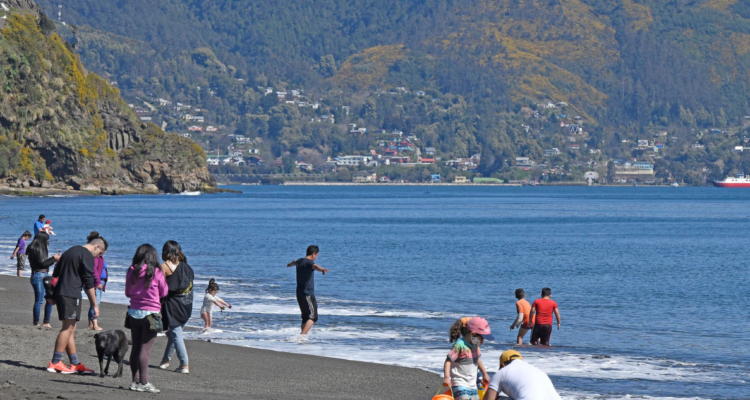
(60, 124)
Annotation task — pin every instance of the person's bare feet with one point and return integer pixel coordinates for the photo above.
(37, 326)
(47, 326)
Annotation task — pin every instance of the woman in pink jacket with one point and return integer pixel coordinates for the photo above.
(145, 286)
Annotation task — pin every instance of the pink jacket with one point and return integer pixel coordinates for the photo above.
(142, 298)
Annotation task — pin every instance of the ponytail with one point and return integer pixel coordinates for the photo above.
(212, 285)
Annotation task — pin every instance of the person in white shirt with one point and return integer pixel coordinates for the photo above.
(207, 311)
(520, 381)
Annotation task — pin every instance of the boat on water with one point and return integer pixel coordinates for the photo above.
(675, 184)
(188, 193)
(737, 181)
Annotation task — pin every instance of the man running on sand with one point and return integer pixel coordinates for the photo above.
(74, 271)
(306, 268)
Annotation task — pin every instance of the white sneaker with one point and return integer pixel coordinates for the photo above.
(134, 386)
(183, 370)
(148, 388)
(164, 366)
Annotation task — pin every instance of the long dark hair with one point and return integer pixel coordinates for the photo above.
(212, 285)
(172, 251)
(458, 329)
(146, 254)
(39, 245)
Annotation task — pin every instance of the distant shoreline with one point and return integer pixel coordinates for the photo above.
(54, 192)
(312, 183)
(292, 183)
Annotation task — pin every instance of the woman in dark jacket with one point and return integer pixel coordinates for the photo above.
(40, 263)
(177, 306)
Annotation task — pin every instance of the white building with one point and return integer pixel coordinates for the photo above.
(351, 160)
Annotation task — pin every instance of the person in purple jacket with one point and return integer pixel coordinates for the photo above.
(145, 286)
(20, 252)
(100, 281)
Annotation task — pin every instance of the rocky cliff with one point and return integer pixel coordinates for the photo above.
(62, 126)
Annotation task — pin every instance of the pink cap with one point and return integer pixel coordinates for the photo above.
(480, 326)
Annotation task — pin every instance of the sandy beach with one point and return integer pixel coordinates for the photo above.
(216, 371)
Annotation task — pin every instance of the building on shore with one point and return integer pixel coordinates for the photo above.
(365, 177)
(634, 170)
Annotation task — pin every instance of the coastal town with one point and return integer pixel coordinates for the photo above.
(383, 151)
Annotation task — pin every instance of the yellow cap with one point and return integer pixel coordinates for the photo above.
(464, 321)
(510, 355)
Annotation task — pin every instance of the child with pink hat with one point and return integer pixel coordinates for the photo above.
(463, 361)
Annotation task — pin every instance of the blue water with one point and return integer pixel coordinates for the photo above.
(652, 283)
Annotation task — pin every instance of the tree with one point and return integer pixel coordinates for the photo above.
(288, 164)
(46, 24)
(327, 66)
(487, 164)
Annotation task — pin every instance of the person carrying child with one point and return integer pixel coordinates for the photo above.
(523, 321)
(19, 253)
(544, 307)
(208, 303)
(460, 367)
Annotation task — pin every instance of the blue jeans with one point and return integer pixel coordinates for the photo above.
(91, 307)
(38, 285)
(175, 341)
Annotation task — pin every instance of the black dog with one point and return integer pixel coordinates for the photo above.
(112, 343)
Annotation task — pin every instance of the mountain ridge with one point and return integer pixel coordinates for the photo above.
(631, 69)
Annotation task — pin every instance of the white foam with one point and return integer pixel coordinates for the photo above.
(293, 309)
(565, 395)
(430, 358)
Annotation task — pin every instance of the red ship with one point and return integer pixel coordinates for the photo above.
(738, 181)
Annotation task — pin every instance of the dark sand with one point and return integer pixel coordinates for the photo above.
(216, 371)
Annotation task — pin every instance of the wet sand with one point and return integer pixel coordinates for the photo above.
(217, 371)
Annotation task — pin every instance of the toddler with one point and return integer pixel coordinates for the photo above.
(48, 228)
(208, 303)
(461, 365)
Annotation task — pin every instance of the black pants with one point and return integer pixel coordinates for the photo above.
(308, 307)
(541, 333)
(143, 339)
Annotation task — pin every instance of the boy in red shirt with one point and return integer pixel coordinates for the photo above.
(544, 308)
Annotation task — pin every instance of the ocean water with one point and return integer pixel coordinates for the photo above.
(652, 283)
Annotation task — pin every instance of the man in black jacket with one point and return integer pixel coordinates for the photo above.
(74, 271)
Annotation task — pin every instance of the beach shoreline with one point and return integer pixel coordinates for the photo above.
(56, 192)
(217, 371)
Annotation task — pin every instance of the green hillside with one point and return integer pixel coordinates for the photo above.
(631, 69)
(61, 125)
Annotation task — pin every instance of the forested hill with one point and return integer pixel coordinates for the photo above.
(630, 68)
(62, 126)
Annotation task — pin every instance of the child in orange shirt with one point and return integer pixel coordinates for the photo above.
(523, 322)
